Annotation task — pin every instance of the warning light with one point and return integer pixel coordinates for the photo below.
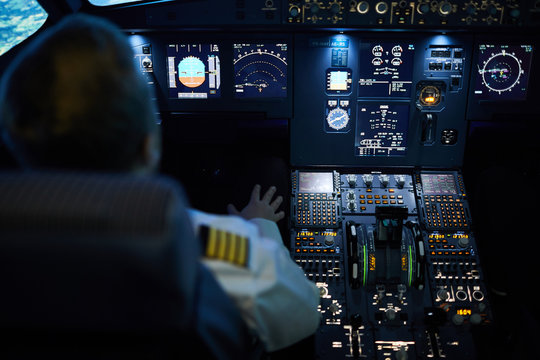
(430, 95)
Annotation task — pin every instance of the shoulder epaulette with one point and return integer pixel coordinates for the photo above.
(223, 245)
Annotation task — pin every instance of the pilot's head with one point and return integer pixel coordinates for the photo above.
(74, 99)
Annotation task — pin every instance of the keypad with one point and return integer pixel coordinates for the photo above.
(316, 210)
(445, 211)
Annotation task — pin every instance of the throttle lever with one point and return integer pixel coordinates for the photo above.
(354, 260)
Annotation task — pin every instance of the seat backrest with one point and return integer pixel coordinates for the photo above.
(101, 264)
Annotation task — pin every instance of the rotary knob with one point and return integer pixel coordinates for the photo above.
(445, 8)
(514, 13)
(443, 294)
(329, 240)
(400, 181)
(390, 314)
(475, 319)
(463, 242)
(423, 8)
(335, 7)
(384, 179)
(368, 179)
(381, 7)
(351, 179)
(458, 319)
(362, 7)
(294, 11)
(333, 308)
(470, 9)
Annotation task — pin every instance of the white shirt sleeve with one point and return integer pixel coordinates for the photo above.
(274, 296)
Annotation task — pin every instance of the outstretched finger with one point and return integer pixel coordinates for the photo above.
(278, 216)
(269, 194)
(256, 193)
(276, 203)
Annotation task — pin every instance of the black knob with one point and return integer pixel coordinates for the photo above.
(470, 9)
(381, 7)
(423, 8)
(362, 7)
(335, 8)
(445, 8)
(294, 11)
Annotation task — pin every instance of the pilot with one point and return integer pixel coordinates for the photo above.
(74, 100)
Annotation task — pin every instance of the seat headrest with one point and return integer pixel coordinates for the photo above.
(95, 251)
(87, 202)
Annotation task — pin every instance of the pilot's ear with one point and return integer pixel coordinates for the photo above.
(151, 152)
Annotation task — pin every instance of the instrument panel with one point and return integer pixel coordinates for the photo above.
(354, 80)
(393, 283)
(378, 99)
(400, 100)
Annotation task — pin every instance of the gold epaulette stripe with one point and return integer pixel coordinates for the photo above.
(224, 245)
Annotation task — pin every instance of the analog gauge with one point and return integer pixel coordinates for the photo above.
(337, 118)
(397, 50)
(501, 71)
(377, 50)
(377, 61)
(396, 61)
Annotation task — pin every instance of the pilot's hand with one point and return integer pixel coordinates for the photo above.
(260, 208)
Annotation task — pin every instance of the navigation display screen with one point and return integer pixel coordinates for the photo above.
(260, 70)
(438, 184)
(193, 71)
(315, 182)
(382, 129)
(385, 70)
(503, 72)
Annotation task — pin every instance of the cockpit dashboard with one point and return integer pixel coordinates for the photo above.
(365, 113)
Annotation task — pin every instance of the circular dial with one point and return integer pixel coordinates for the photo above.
(501, 72)
(377, 50)
(337, 118)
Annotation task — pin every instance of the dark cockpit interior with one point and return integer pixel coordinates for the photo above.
(401, 135)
